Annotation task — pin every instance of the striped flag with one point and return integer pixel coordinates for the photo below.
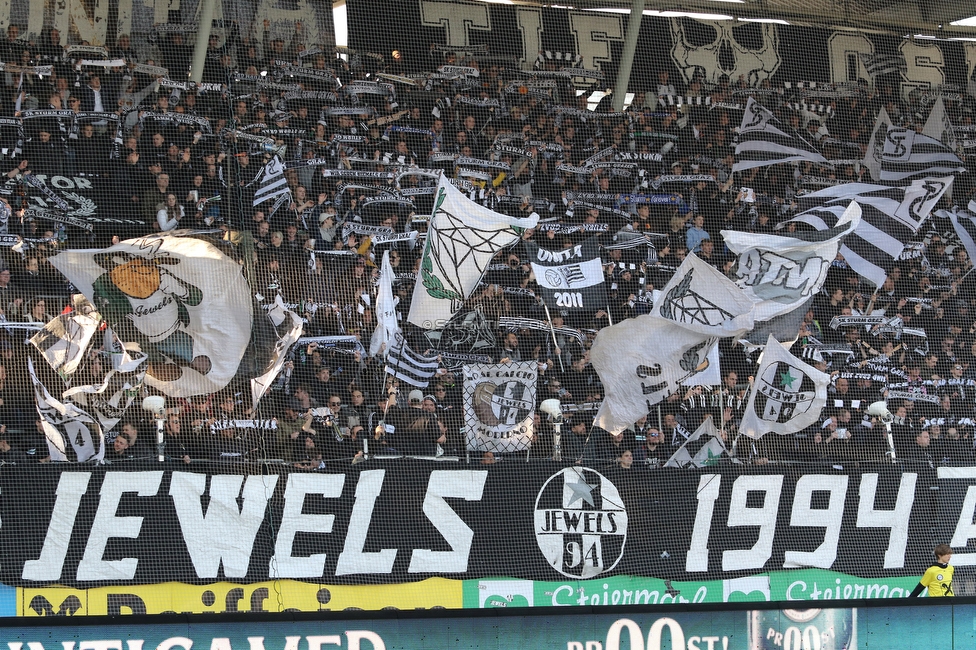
(907, 154)
(890, 217)
(272, 182)
(516, 323)
(764, 140)
(878, 64)
(409, 366)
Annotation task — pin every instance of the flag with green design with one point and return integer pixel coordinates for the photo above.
(462, 238)
(787, 395)
(703, 448)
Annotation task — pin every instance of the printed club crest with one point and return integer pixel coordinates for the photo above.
(580, 523)
(783, 392)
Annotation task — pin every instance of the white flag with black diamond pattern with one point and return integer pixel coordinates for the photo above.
(462, 238)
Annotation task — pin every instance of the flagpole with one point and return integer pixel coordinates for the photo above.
(609, 317)
(552, 330)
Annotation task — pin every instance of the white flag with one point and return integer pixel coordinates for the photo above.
(462, 237)
(779, 273)
(72, 434)
(386, 319)
(108, 401)
(287, 328)
(701, 299)
(938, 125)
(643, 360)
(184, 303)
(872, 157)
(787, 395)
(63, 341)
(702, 448)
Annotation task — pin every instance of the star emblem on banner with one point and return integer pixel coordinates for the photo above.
(786, 379)
(581, 492)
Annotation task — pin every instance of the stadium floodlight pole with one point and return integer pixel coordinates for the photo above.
(203, 37)
(627, 56)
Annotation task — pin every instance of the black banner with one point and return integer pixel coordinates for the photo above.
(400, 520)
(571, 278)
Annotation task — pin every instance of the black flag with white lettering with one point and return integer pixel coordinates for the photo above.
(570, 278)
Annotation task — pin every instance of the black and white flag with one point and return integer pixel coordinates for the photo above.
(284, 326)
(72, 434)
(406, 365)
(787, 396)
(781, 272)
(64, 340)
(964, 223)
(643, 360)
(571, 278)
(878, 64)
(272, 182)
(703, 448)
(907, 155)
(108, 401)
(764, 140)
(499, 406)
(890, 217)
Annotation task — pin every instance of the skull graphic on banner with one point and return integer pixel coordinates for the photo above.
(710, 49)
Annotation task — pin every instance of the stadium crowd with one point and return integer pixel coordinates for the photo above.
(184, 157)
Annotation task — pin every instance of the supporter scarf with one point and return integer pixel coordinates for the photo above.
(348, 173)
(484, 103)
(652, 199)
(327, 96)
(110, 63)
(591, 196)
(565, 228)
(39, 70)
(602, 208)
(486, 164)
(46, 191)
(360, 110)
(151, 70)
(685, 178)
(180, 118)
(58, 218)
(409, 129)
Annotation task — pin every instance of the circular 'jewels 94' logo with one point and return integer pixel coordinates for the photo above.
(580, 523)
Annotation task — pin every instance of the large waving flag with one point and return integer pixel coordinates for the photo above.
(890, 217)
(462, 238)
(787, 396)
(642, 360)
(764, 140)
(184, 303)
(779, 272)
(908, 155)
